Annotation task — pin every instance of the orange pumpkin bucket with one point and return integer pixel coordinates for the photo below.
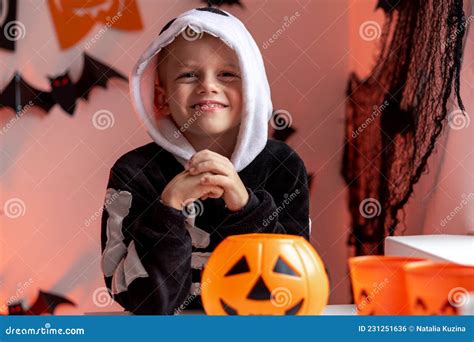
(438, 288)
(378, 284)
(264, 274)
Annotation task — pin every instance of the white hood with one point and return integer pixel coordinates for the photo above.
(257, 106)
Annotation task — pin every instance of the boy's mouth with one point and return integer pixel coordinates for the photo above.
(208, 106)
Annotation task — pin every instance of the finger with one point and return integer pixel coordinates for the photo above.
(216, 194)
(213, 191)
(208, 155)
(211, 166)
(217, 180)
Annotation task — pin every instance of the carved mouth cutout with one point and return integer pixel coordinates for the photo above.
(232, 311)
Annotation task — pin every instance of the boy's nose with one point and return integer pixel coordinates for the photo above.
(207, 85)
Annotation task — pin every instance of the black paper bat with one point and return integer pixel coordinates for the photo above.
(9, 28)
(310, 180)
(283, 129)
(388, 5)
(283, 134)
(18, 93)
(218, 3)
(46, 303)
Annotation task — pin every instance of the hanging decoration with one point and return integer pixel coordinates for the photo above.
(45, 303)
(73, 19)
(10, 29)
(18, 93)
(396, 114)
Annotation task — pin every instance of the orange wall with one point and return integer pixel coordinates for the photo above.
(57, 166)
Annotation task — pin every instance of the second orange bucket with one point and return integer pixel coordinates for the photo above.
(438, 288)
(378, 284)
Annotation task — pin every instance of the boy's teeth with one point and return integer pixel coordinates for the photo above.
(207, 106)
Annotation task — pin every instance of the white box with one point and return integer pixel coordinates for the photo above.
(458, 249)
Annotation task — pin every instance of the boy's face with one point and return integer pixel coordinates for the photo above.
(200, 86)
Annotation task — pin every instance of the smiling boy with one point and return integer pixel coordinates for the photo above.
(207, 86)
(211, 171)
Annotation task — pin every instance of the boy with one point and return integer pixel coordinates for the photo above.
(202, 93)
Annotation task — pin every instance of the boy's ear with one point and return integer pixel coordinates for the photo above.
(161, 105)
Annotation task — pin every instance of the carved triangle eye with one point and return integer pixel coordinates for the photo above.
(282, 267)
(421, 304)
(240, 267)
(364, 296)
(449, 307)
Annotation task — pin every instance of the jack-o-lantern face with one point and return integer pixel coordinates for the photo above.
(438, 288)
(260, 290)
(422, 308)
(264, 274)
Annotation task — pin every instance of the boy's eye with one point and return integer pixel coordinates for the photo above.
(228, 74)
(188, 75)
